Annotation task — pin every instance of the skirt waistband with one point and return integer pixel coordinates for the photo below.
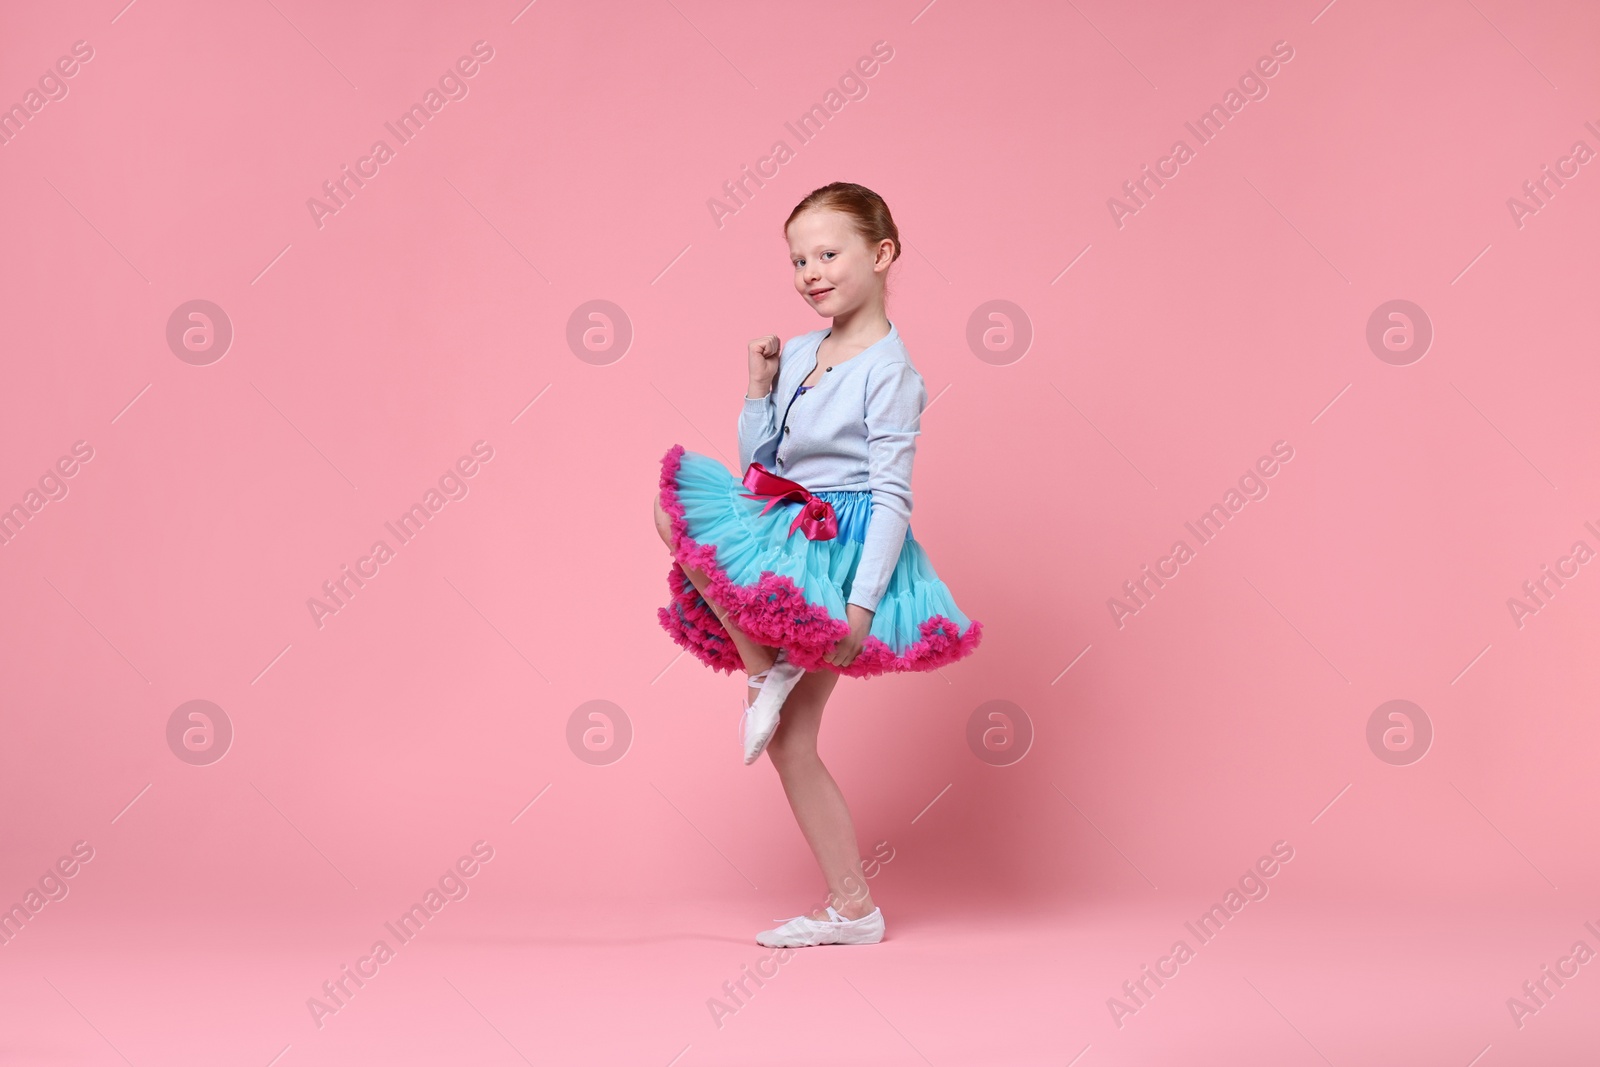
(851, 507)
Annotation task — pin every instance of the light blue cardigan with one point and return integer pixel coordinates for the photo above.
(855, 429)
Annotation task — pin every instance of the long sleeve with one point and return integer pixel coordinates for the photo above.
(757, 420)
(895, 399)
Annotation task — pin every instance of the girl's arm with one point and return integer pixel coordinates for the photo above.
(759, 416)
(757, 420)
(896, 396)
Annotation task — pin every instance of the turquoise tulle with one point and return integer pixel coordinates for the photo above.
(755, 551)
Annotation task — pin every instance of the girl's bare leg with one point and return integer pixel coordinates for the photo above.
(756, 657)
(819, 805)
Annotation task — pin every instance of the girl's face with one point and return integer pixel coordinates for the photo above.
(835, 270)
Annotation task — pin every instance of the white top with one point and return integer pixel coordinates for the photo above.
(855, 429)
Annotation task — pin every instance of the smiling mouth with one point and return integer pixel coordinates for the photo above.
(818, 294)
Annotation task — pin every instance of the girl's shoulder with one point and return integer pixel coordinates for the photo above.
(893, 350)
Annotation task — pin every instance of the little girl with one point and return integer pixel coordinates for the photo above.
(807, 569)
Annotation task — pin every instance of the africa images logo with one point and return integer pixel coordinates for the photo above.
(452, 86)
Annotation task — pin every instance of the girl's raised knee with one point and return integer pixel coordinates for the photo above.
(663, 521)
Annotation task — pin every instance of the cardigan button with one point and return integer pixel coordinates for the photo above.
(786, 429)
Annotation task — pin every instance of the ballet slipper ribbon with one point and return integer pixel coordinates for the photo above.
(816, 518)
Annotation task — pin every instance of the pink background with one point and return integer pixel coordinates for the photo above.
(433, 309)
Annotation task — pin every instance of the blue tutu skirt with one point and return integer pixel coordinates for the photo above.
(788, 591)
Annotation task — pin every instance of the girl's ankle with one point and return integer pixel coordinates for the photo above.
(857, 910)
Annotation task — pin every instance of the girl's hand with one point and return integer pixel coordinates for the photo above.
(849, 646)
(765, 353)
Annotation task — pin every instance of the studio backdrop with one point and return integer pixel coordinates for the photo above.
(342, 347)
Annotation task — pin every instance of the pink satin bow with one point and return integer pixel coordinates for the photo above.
(816, 517)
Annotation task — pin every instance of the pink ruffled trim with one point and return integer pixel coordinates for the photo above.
(696, 627)
(775, 612)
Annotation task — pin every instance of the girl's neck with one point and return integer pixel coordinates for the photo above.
(857, 329)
